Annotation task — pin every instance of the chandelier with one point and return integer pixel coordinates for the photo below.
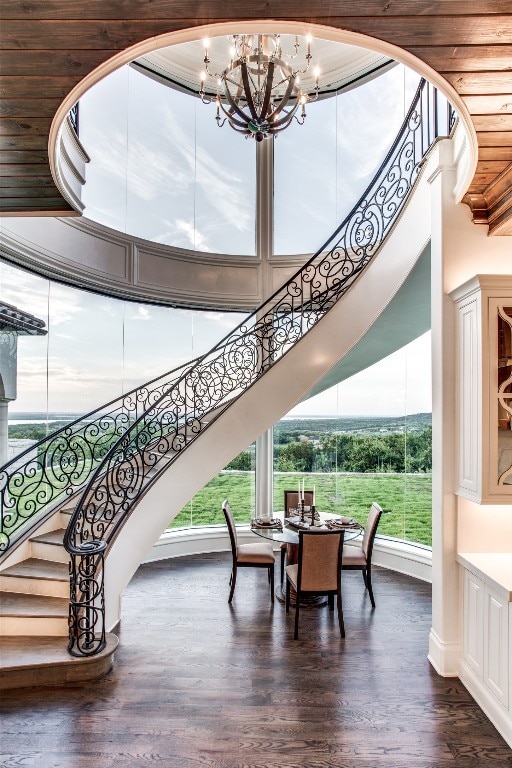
(259, 93)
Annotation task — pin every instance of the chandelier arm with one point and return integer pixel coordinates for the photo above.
(283, 122)
(232, 103)
(268, 89)
(284, 101)
(247, 89)
(232, 120)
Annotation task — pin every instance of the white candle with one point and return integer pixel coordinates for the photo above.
(314, 495)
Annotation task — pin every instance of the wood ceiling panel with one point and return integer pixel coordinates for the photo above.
(473, 58)
(7, 191)
(481, 181)
(495, 139)
(27, 107)
(32, 141)
(491, 166)
(119, 34)
(219, 9)
(26, 87)
(43, 181)
(17, 157)
(34, 204)
(495, 153)
(38, 170)
(488, 104)
(48, 46)
(477, 83)
(73, 64)
(492, 122)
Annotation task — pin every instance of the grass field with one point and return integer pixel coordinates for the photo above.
(406, 500)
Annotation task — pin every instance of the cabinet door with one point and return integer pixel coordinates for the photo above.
(496, 650)
(473, 625)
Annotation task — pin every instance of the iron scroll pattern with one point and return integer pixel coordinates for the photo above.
(49, 472)
(176, 419)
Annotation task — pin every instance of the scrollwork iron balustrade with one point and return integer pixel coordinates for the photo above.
(73, 116)
(57, 466)
(173, 421)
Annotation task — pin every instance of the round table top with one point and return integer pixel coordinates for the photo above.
(289, 533)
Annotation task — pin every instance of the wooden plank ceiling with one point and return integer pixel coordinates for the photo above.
(48, 46)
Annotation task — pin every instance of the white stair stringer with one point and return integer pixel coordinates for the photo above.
(283, 386)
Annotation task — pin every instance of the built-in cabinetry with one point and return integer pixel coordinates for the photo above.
(484, 391)
(486, 632)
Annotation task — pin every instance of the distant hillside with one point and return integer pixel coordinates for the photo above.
(355, 425)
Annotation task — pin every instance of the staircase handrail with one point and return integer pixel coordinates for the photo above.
(60, 463)
(174, 420)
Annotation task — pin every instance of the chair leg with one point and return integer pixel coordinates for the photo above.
(297, 606)
(369, 586)
(283, 555)
(340, 613)
(271, 577)
(233, 584)
(330, 602)
(364, 578)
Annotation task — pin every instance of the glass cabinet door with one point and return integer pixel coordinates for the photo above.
(504, 395)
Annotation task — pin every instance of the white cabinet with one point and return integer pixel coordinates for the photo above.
(486, 633)
(484, 388)
(496, 645)
(473, 625)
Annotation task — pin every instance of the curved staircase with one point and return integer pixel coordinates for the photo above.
(183, 428)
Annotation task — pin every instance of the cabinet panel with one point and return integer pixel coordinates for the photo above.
(469, 417)
(496, 650)
(473, 625)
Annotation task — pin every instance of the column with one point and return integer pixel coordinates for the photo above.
(444, 642)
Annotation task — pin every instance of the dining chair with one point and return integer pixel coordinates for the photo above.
(291, 501)
(257, 555)
(318, 571)
(359, 557)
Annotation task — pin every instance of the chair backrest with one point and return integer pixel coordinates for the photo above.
(230, 520)
(370, 529)
(291, 500)
(320, 556)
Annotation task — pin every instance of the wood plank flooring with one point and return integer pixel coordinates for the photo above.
(200, 684)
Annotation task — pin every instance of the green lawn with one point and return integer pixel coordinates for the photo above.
(406, 500)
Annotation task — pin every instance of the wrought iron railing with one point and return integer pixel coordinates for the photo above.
(157, 437)
(45, 474)
(74, 117)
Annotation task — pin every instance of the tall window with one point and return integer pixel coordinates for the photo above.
(367, 439)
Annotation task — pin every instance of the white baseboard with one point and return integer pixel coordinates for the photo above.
(443, 656)
(399, 556)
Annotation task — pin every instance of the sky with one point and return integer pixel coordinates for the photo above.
(161, 169)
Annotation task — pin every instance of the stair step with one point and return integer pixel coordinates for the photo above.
(37, 615)
(36, 577)
(34, 661)
(16, 604)
(49, 546)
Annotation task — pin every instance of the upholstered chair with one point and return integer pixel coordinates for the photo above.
(317, 572)
(358, 557)
(257, 555)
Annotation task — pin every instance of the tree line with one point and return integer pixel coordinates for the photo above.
(339, 452)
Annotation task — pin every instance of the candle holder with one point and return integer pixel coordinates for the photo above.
(313, 514)
(302, 510)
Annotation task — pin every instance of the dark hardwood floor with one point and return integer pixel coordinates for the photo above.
(200, 684)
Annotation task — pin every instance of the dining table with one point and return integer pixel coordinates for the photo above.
(284, 527)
